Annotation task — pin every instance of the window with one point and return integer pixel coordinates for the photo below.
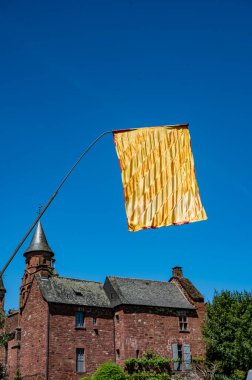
(183, 323)
(94, 320)
(117, 318)
(79, 359)
(118, 354)
(79, 319)
(137, 354)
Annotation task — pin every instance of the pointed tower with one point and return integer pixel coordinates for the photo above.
(39, 260)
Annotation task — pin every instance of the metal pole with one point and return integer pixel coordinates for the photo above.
(62, 183)
(50, 201)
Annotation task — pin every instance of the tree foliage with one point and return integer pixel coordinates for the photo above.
(228, 331)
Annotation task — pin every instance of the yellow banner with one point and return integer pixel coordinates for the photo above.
(158, 175)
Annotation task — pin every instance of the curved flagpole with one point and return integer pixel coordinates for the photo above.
(50, 201)
(62, 183)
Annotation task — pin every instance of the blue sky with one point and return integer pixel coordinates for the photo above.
(70, 70)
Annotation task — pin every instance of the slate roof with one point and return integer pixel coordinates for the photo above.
(39, 241)
(73, 292)
(126, 291)
(146, 293)
(190, 289)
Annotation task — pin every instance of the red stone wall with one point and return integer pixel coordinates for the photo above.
(12, 358)
(10, 354)
(201, 312)
(33, 323)
(97, 340)
(151, 329)
(127, 332)
(11, 323)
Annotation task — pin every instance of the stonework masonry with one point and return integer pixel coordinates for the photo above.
(46, 347)
(141, 329)
(34, 335)
(119, 319)
(97, 340)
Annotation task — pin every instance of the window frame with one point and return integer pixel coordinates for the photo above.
(183, 323)
(79, 319)
(80, 351)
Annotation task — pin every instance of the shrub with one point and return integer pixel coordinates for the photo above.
(109, 371)
(86, 378)
(148, 363)
(239, 375)
(149, 376)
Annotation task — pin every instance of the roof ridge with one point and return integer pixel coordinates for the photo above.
(139, 279)
(79, 280)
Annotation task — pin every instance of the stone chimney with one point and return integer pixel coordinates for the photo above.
(177, 272)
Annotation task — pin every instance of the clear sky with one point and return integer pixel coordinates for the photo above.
(70, 70)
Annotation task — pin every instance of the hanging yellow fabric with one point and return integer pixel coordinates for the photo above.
(159, 183)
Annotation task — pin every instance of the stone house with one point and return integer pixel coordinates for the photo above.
(66, 327)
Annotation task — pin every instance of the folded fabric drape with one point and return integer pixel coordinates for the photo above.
(158, 176)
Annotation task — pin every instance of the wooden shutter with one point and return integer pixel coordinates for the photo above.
(187, 356)
(175, 356)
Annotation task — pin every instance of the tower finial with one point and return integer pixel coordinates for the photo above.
(39, 209)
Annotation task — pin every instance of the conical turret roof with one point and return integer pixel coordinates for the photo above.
(39, 241)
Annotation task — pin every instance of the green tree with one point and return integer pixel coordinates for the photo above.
(228, 331)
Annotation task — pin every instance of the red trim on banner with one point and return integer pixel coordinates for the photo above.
(155, 126)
